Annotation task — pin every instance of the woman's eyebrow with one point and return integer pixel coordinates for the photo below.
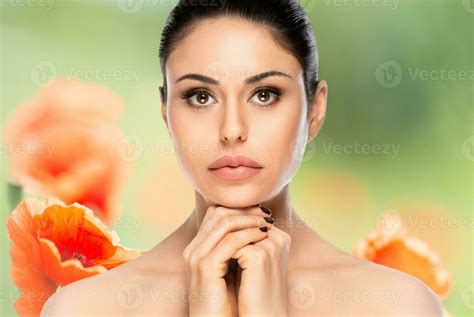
(250, 80)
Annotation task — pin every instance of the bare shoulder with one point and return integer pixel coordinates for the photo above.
(415, 297)
(346, 284)
(134, 288)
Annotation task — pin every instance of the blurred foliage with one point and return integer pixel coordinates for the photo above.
(428, 116)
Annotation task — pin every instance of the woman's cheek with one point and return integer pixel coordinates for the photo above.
(194, 152)
(291, 147)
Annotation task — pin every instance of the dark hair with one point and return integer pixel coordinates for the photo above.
(286, 20)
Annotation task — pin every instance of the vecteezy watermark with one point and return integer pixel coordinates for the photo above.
(389, 222)
(221, 69)
(308, 5)
(44, 149)
(50, 223)
(300, 150)
(390, 74)
(302, 295)
(131, 224)
(467, 296)
(440, 74)
(130, 147)
(442, 222)
(361, 296)
(391, 4)
(130, 296)
(467, 148)
(42, 72)
(130, 6)
(357, 148)
(134, 6)
(48, 4)
(10, 296)
(468, 5)
(167, 295)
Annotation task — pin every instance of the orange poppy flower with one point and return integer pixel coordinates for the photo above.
(399, 250)
(65, 143)
(54, 244)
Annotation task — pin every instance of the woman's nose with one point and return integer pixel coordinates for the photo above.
(233, 126)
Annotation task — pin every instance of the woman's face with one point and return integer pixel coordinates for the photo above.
(230, 114)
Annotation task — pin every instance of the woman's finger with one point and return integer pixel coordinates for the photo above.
(234, 241)
(230, 224)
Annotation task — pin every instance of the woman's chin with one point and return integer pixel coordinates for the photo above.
(237, 198)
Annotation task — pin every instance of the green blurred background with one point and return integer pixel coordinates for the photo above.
(422, 116)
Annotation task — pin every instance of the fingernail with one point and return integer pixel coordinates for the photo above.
(268, 219)
(264, 229)
(266, 210)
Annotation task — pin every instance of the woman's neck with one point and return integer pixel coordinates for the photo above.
(285, 217)
(282, 212)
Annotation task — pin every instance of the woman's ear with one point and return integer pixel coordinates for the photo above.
(162, 94)
(318, 110)
(163, 105)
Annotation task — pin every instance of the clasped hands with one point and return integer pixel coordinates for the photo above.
(249, 237)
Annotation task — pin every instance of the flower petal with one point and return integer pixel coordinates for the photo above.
(121, 256)
(407, 254)
(26, 271)
(63, 273)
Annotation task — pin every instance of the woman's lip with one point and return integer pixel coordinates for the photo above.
(235, 173)
(234, 161)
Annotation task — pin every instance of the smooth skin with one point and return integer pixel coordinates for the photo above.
(287, 271)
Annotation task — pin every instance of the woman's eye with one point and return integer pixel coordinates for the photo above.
(200, 99)
(265, 97)
(203, 99)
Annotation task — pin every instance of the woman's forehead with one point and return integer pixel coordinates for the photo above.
(231, 47)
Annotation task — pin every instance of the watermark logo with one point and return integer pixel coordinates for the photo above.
(42, 73)
(130, 6)
(467, 148)
(468, 5)
(302, 296)
(417, 73)
(361, 296)
(356, 148)
(47, 225)
(130, 296)
(130, 147)
(300, 150)
(389, 222)
(308, 5)
(389, 74)
(218, 70)
(48, 4)
(467, 296)
(391, 4)
(33, 147)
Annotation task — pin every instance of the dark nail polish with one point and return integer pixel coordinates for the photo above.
(268, 219)
(266, 210)
(264, 229)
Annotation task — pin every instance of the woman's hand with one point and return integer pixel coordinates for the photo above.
(263, 289)
(223, 231)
